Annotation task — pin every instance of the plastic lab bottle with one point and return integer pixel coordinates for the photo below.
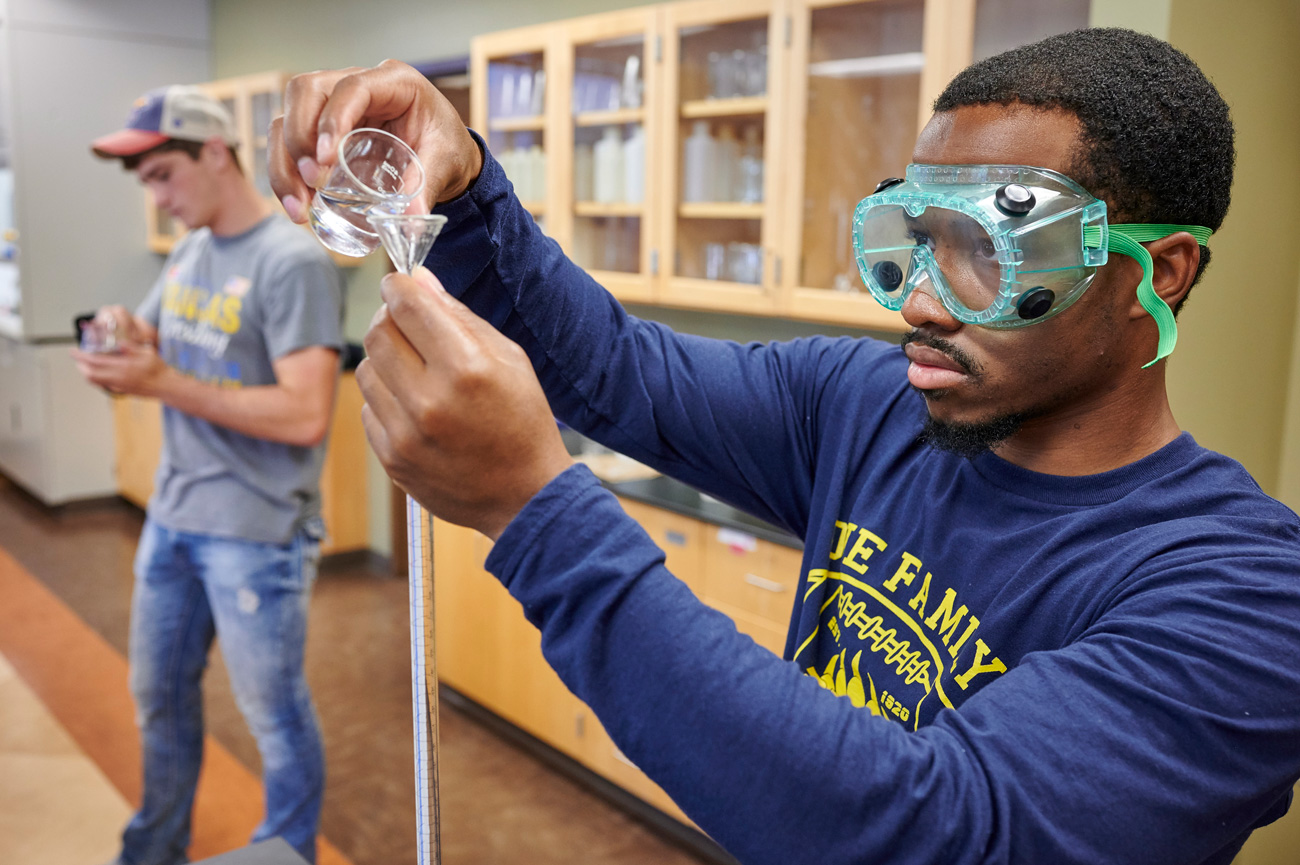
(698, 164)
(584, 173)
(749, 168)
(510, 165)
(537, 166)
(726, 153)
(609, 166)
(634, 166)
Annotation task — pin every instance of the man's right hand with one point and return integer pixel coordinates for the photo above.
(125, 326)
(322, 107)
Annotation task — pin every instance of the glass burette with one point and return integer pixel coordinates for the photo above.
(407, 238)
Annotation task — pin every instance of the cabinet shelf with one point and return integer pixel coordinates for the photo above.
(615, 117)
(720, 210)
(528, 123)
(536, 208)
(868, 67)
(739, 107)
(600, 208)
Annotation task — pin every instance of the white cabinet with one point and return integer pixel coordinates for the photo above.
(69, 73)
(56, 432)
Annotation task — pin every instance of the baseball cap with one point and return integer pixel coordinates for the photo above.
(179, 111)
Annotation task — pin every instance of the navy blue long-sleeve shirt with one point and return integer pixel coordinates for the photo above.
(985, 664)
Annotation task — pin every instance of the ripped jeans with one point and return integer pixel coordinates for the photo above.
(188, 589)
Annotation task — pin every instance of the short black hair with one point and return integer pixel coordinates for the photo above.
(193, 148)
(1157, 138)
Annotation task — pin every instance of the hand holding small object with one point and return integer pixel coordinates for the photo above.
(321, 107)
(454, 410)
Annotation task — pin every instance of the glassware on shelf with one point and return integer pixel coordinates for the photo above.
(634, 166)
(745, 263)
(608, 243)
(506, 90)
(516, 90)
(718, 75)
(608, 156)
(525, 166)
(698, 164)
(584, 172)
(523, 95)
(538, 100)
(630, 92)
(726, 154)
(754, 71)
(748, 184)
(734, 262)
(715, 261)
(739, 72)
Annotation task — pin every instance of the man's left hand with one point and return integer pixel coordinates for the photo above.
(454, 410)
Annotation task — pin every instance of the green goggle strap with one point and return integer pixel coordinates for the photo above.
(1128, 240)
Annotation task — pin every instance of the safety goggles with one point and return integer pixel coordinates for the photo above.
(998, 245)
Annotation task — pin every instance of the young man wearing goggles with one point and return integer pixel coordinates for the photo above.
(1036, 621)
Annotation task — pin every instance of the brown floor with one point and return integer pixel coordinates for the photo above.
(499, 805)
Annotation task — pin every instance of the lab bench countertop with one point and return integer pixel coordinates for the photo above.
(672, 495)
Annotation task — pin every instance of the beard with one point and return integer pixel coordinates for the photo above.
(969, 440)
(965, 439)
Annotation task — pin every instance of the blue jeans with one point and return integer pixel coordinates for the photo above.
(188, 588)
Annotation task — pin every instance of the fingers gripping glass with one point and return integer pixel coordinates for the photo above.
(376, 172)
(997, 245)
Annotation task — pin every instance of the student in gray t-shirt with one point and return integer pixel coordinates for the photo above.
(240, 340)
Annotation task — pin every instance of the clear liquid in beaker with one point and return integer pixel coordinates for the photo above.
(339, 220)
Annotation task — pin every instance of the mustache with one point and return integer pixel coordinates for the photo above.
(968, 364)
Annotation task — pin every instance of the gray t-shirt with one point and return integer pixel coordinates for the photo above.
(225, 309)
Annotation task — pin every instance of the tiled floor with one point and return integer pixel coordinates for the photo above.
(56, 806)
(69, 759)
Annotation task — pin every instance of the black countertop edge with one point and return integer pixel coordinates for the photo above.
(680, 498)
(673, 495)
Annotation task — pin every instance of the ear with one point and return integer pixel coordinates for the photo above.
(1173, 267)
(215, 152)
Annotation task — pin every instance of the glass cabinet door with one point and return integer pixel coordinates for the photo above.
(724, 62)
(511, 111)
(611, 87)
(858, 95)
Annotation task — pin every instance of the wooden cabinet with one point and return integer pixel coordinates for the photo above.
(137, 428)
(137, 445)
(742, 233)
(753, 581)
(809, 102)
(490, 653)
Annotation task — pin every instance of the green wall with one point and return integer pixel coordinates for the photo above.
(1235, 380)
(1232, 388)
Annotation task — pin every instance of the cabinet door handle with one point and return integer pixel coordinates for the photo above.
(763, 583)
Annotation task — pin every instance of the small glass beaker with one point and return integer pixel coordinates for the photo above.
(745, 263)
(715, 261)
(376, 171)
(99, 336)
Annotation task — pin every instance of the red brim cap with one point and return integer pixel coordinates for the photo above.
(128, 142)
